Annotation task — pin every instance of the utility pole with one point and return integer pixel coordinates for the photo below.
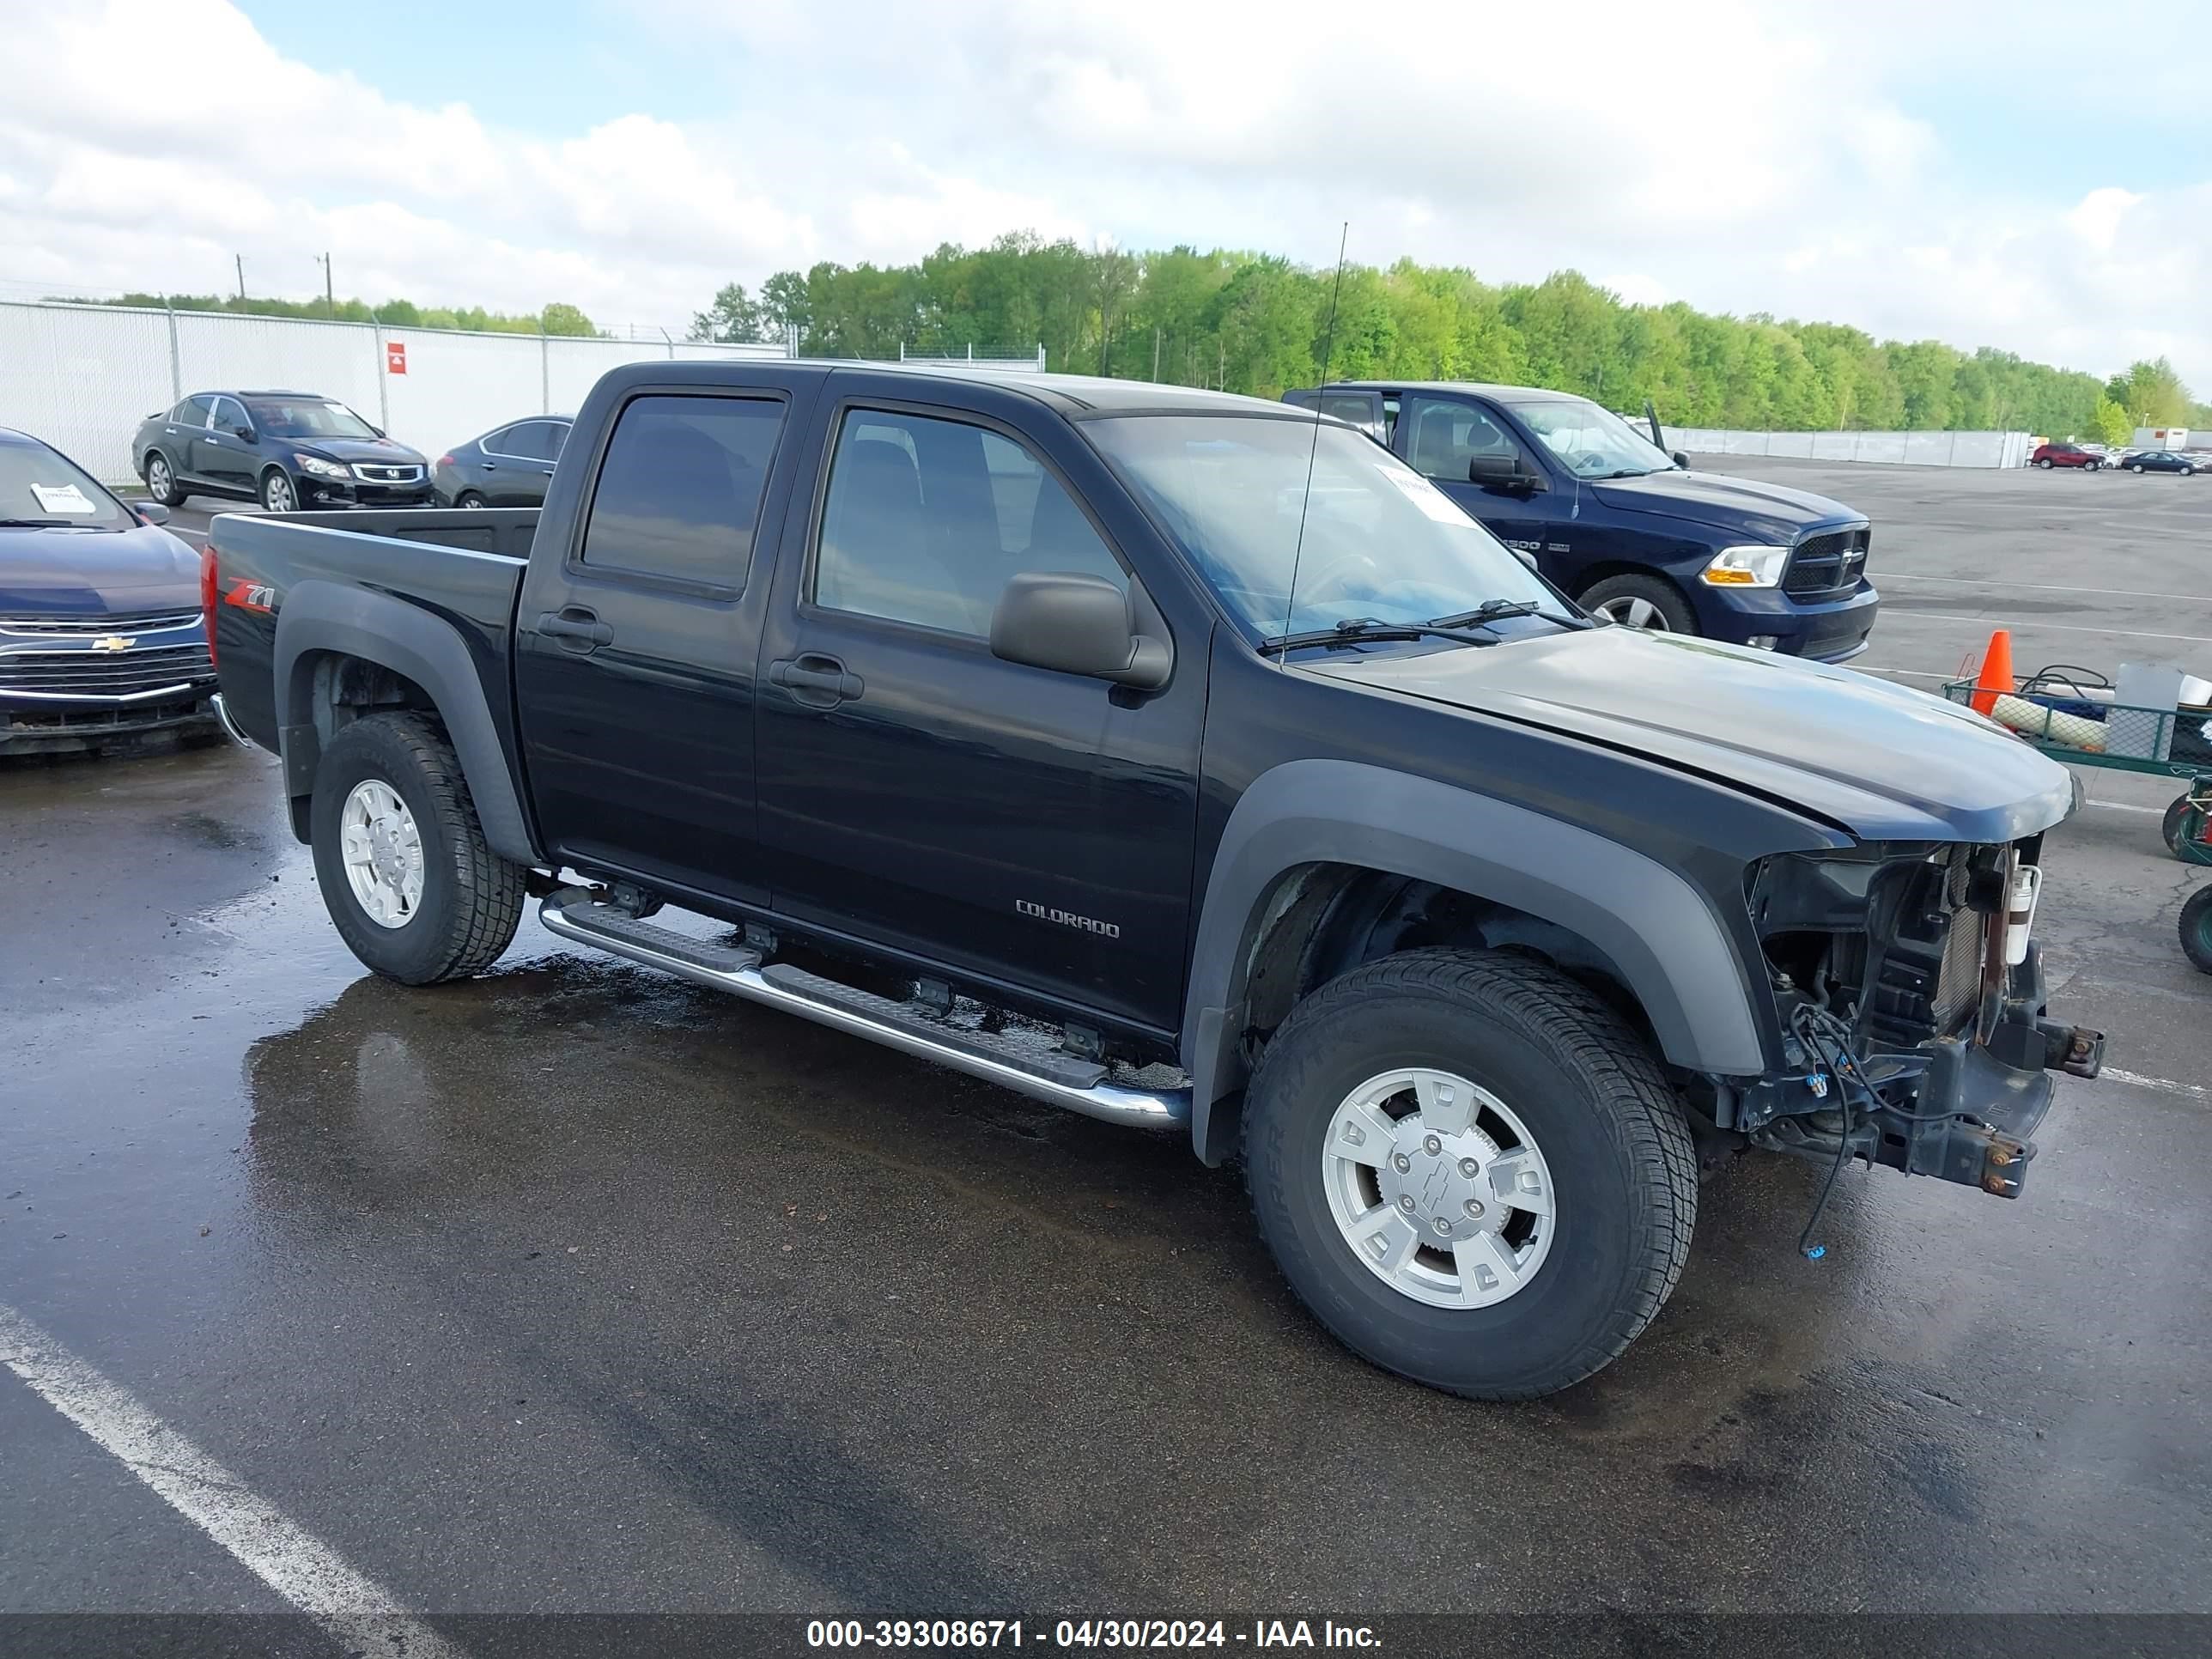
(1156, 354)
(330, 302)
(240, 260)
(1221, 370)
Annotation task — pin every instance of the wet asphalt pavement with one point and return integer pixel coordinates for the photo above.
(576, 1288)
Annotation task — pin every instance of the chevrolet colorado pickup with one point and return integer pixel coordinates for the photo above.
(1190, 762)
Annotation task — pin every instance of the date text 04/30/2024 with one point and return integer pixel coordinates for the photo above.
(957, 1633)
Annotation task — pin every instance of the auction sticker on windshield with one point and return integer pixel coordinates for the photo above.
(1423, 494)
(63, 498)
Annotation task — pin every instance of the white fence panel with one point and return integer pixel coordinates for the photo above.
(457, 386)
(1985, 449)
(219, 352)
(81, 377)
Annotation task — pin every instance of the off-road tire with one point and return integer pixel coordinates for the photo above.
(2196, 930)
(471, 897)
(1662, 595)
(1616, 1138)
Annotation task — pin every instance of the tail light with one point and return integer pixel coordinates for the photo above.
(443, 461)
(209, 583)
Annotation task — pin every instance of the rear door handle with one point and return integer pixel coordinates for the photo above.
(489, 466)
(817, 681)
(574, 623)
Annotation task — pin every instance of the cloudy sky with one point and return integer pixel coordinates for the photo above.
(2034, 177)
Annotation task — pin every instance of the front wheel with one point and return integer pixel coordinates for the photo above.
(1471, 1170)
(2089, 466)
(406, 875)
(1641, 602)
(278, 495)
(2197, 929)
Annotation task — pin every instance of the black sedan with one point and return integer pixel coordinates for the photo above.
(101, 636)
(2158, 461)
(508, 466)
(284, 449)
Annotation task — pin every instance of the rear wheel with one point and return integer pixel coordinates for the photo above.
(1471, 1172)
(2183, 827)
(2044, 463)
(161, 480)
(406, 875)
(470, 498)
(278, 495)
(2136, 468)
(1641, 602)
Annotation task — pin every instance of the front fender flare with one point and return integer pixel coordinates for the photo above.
(320, 616)
(1655, 925)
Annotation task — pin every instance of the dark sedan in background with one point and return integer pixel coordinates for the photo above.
(284, 449)
(101, 637)
(508, 466)
(2158, 461)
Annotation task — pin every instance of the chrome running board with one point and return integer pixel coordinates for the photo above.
(1059, 1079)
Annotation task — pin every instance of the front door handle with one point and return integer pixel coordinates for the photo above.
(577, 628)
(817, 681)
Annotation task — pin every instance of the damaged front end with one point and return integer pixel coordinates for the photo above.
(1911, 993)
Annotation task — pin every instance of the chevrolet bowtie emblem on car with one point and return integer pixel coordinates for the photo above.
(113, 642)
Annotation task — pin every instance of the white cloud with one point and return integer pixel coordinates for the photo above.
(1736, 155)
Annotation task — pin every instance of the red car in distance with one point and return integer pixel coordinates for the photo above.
(2047, 455)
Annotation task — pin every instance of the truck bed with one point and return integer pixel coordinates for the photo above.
(464, 566)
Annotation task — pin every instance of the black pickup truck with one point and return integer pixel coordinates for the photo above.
(1191, 761)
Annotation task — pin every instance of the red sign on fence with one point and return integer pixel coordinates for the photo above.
(395, 357)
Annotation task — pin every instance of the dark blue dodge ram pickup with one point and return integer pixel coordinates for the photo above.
(1626, 528)
(1187, 762)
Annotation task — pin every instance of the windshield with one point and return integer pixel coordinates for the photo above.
(37, 487)
(307, 417)
(1590, 441)
(1380, 541)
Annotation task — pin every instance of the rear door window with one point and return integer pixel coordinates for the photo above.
(193, 411)
(678, 494)
(527, 440)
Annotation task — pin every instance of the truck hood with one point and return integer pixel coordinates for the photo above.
(93, 573)
(1885, 762)
(1772, 513)
(381, 452)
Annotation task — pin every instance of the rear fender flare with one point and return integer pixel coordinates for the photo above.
(320, 616)
(1660, 932)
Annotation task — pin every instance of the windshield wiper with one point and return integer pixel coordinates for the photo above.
(1359, 630)
(45, 524)
(1631, 472)
(1490, 611)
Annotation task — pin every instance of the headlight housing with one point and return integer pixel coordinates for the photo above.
(1746, 566)
(319, 467)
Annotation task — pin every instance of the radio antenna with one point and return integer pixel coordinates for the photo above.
(1327, 344)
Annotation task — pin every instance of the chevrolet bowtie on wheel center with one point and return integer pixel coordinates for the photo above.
(1194, 763)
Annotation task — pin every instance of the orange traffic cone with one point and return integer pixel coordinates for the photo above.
(1995, 678)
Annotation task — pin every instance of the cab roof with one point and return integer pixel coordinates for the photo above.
(1522, 394)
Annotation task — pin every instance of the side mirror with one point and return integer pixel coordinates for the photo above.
(1680, 460)
(150, 512)
(245, 432)
(1076, 625)
(1504, 472)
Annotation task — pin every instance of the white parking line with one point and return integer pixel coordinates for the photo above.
(360, 1613)
(2062, 628)
(2047, 587)
(2166, 1084)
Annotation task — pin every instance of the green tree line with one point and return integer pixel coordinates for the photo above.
(555, 319)
(1257, 323)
